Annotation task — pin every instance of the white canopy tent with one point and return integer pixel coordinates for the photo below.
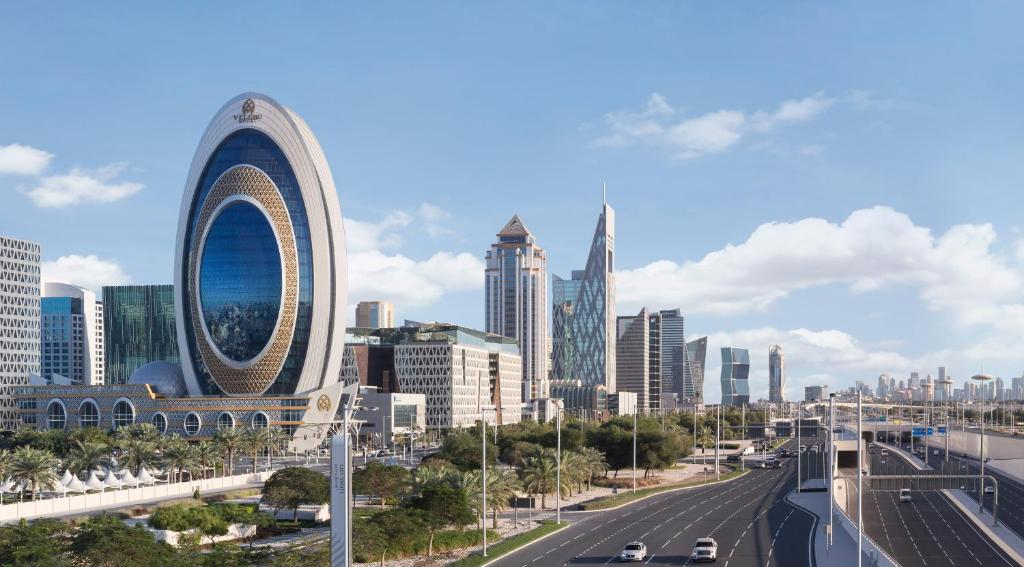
(93, 483)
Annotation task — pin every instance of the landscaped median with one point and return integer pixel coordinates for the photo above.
(511, 544)
(627, 497)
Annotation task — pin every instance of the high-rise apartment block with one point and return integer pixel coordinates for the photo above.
(19, 322)
(375, 314)
(735, 376)
(652, 359)
(515, 301)
(815, 393)
(584, 321)
(71, 334)
(633, 359)
(776, 374)
(138, 328)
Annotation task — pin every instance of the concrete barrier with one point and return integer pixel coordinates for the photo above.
(125, 497)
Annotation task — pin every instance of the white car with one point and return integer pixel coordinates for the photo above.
(634, 551)
(706, 549)
(904, 495)
(989, 489)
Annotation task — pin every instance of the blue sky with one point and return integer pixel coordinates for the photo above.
(841, 178)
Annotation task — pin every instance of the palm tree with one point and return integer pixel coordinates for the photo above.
(276, 440)
(595, 463)
(706, 437)
(502, 486)
(88, 455)
(180, 458)
(206, 454)
(138, 452)
(5, 463)
(573, 472)
(539, 474)
(33, 468)
(229, 439)
(429, 473)
(254, 441)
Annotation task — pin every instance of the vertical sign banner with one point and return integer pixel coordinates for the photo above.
(340, 548)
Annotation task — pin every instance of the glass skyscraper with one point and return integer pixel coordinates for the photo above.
(735, 374)
(696, 352)
(590, 344)
(515, 300)
(776, 374)
(138, 328)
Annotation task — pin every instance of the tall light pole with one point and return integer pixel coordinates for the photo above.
(831, 442)
(743, 426)
(341, 481)
(860, 488)
(946, 390)
(483, 477)
(981, 485)
(718, 441)
(558, 463)
(799, 445)
(634, 451)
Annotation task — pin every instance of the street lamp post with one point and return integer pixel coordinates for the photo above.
(981, 485)
(634, 451)
(718, 441)
(558, 463)
(860, 488)
(946, 390)
(831, 442)
(483, 463)
(799, 445)
(743, 426)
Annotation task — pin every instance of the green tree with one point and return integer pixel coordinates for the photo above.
(138, 452)
(388, 530)
(515, 453)
(292, 487)
(706, 437)
(105, 541)
(88, 455)
(594, 463)
(229, 440)
(277, 440)
(33, 469)
(442, 505)
(180, 458)
(539, 475)
(378, 479)
(430, 471)
(614, 438)
(462, 449)
(42, 543)
(502, 486)
(207, 454)
(254, 441)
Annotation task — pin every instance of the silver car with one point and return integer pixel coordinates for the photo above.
(705, 549)
(634, 551)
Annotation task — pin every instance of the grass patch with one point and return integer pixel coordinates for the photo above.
(511, 544)
(619, 499)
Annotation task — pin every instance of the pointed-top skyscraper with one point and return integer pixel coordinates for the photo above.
(584, 309)
(516, 298)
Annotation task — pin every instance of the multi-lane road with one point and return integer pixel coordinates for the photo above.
(927, 531)
(749, 517)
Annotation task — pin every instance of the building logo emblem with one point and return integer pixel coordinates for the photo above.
(323, 403)
(248, 114)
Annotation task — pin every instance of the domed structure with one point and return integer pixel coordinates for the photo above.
(164, 377)
(260, 269)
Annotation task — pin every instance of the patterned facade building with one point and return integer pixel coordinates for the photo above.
(19, 322)
(590, 345)
(259, 296)
(633, 358)
(515, 301)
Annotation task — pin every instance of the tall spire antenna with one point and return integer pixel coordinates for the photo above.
(604, 190)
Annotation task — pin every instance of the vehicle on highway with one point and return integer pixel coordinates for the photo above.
(904, 495)
(706, 549)
(989, 489)
(814, 448)
(732, 459)
(775, 463)
(803, 448)
(865, 471)
(634, 551)
(885, 452)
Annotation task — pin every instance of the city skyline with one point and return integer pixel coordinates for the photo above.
(923, 269)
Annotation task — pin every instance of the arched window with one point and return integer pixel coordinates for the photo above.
(192, 424)
(159, 421)
(56, 415)
(260, 420)
(124, 413)
(88, 414)
(225, 421)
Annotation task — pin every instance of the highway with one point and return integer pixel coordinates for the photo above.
(749, 518)
(1011, 493)
(927, 531)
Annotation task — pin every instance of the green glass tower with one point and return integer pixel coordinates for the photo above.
(138, 324)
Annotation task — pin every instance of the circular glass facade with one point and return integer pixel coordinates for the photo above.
(88, 414)
(240, 281)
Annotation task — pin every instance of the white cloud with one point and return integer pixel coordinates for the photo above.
(86, 271)
(83, 185)
(657, 123)
(23, 160)
(958, 272)
(376, 272)
(405, 281)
